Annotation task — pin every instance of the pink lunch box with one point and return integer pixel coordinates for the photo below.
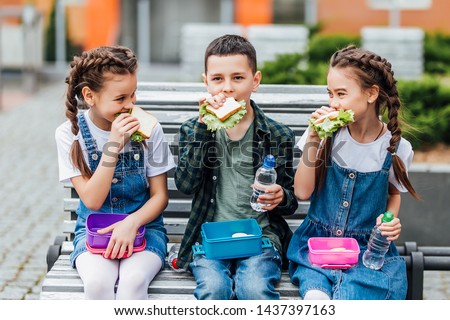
(333, 252)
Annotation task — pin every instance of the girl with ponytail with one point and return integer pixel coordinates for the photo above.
(352, 178)
(112, 174)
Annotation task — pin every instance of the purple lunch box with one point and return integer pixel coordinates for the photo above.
(96, 221)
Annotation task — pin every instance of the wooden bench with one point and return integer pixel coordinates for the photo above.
(172, 103)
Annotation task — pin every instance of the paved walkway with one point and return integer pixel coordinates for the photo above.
(31, 196)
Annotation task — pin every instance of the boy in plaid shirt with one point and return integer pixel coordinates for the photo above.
(218, 169)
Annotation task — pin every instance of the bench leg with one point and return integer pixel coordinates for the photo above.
(54, 251)
(415, 283)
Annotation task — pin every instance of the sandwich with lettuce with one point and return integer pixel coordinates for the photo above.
(327, 124)
(225, 117)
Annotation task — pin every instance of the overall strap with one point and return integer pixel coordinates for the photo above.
(91, 144)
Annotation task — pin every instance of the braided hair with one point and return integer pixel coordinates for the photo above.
(371, 69)
(88, 70)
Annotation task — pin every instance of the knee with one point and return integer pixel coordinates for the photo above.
(257, 290)
(213, 289)
(134, 280)
(98, 289)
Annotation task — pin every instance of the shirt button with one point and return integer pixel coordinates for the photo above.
(212, 200)
(114, 199)
(213, 135)
(339, 232)
(136, 157)
(345, 204)
(214, 178)
(94, 156)
(351, 175)
(115, 180)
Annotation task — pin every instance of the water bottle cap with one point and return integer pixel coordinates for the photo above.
(269, 161)
(388, 216)
(174, 263)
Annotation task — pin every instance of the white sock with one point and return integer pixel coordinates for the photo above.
(316, 295)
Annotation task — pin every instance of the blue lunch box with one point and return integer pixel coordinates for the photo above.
(231, 239)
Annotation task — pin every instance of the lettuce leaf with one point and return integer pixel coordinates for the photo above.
(327, 127)
(213, 124)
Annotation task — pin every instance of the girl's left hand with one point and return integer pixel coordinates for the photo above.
(391, 229)
(273, 197)
(122, 239)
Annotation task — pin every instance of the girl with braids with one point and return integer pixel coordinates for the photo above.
(112, 174)
(351, 179)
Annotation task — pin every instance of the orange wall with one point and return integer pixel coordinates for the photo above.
(248, 12)
(102, 23)
(337, 18)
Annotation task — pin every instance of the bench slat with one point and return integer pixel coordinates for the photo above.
(62, 277)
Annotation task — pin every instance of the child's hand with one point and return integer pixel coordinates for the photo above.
(322, 111)
(391, 229)
(122, 128)
(313, 136)
(215, 101)
(272, 197)
(122, 239)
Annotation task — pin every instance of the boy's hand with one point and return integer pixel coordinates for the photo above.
(215, 101)
(391, 229)
(272, 197)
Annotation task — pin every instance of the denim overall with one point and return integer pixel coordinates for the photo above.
(348, 206)
(129, 192)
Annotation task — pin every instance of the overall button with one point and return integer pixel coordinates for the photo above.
(345, 203)
(94, 156)
(136, 156)
(339, 232)
(351, 175)
(115, 180)
(213, 135)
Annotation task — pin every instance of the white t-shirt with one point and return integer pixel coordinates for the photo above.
(366, 157)
(158, 155)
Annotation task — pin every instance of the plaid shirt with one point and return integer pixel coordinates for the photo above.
(197, 173)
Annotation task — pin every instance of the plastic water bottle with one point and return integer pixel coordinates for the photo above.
(265, 177)
(377, 246)
(172, 257)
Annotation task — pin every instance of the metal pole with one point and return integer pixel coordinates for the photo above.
(394, 15)
(143, 30)
(60, 21)
(311, 12)
(226, 11)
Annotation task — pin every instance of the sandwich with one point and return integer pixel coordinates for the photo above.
(225, 117)
(146, 124)
(326, 124)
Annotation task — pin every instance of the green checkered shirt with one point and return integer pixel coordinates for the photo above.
(197, 173)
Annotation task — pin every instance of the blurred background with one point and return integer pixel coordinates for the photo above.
(294, 40)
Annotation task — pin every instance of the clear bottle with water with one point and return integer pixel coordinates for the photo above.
(172, 257)
(265, 177)
(377, 246)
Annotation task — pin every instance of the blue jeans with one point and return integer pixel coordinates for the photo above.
(252, 278)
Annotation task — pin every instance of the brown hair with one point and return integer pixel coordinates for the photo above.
(88, 70)
(231, 44)
(370, 69)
